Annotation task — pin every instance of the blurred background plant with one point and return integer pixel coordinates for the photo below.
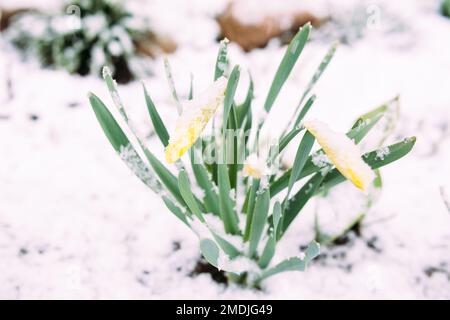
(445, 8)
(86, 35)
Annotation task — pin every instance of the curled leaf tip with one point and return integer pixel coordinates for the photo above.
(106, 72)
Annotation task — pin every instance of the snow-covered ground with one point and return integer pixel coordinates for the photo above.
(75, 223)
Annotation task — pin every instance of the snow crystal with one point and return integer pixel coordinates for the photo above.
(382, 152)
(131, 158)
(320, 159)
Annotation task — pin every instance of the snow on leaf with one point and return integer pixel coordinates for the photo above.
(196, 114)
(343, 153)
(134, 162)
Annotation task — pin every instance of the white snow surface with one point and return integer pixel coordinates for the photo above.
(75, 222)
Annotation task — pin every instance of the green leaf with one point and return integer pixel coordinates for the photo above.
(259, 220)
(395, 152)
(211, 199)
(305, 110)
(269, 249)
(230, 250)
(286, 138)
(186, 193)
(173, 90)
(109, 125)
(121, 144)
(291, 56)
(166, 177)
(293, 264)
(244, 111)
(229, 94)
(226, 205)
(191, 88)
(323, 65)
(361, 129)
(157, 122)
(303, 151)
(175, 210)
(250, 207)
(232, 137)
(222, 60)
(390, 112)
(210, 251)
(298, 201)
(112, 88)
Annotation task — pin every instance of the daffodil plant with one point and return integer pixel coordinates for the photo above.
(220, 181)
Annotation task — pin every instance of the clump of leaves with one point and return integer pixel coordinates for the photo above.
(235, 195)
(445, 8)
(83, 37)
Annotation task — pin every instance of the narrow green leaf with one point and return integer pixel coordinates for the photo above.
(323, 65)
(211, 199)
(122, 145)
(230, 250)
(222, 60)
(361, 129)
(109, 125)
(112, 88)
(186, 193)
(305, 110)
(232, 137)
(210, 251)
(320, 70)
(157, 122)
(229, 94)
(291, 56)
(303, 151)
(250, 207)
(244, 111)
(175, 210)
(286, 138)
(298, 201)
(166, 177)
(259, 220)
(191, 88)
(293, 264)
(226, 204)
(173, 90)
(269, 249)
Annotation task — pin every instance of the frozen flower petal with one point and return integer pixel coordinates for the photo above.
(196, 115)
(343, 153)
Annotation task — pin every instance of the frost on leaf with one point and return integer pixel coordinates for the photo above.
(140, 169)
(382, 153)
(343, 153)
(321, 160)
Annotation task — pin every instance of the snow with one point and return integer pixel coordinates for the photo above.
(76, 223)
(343, 152)
(382, 152)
